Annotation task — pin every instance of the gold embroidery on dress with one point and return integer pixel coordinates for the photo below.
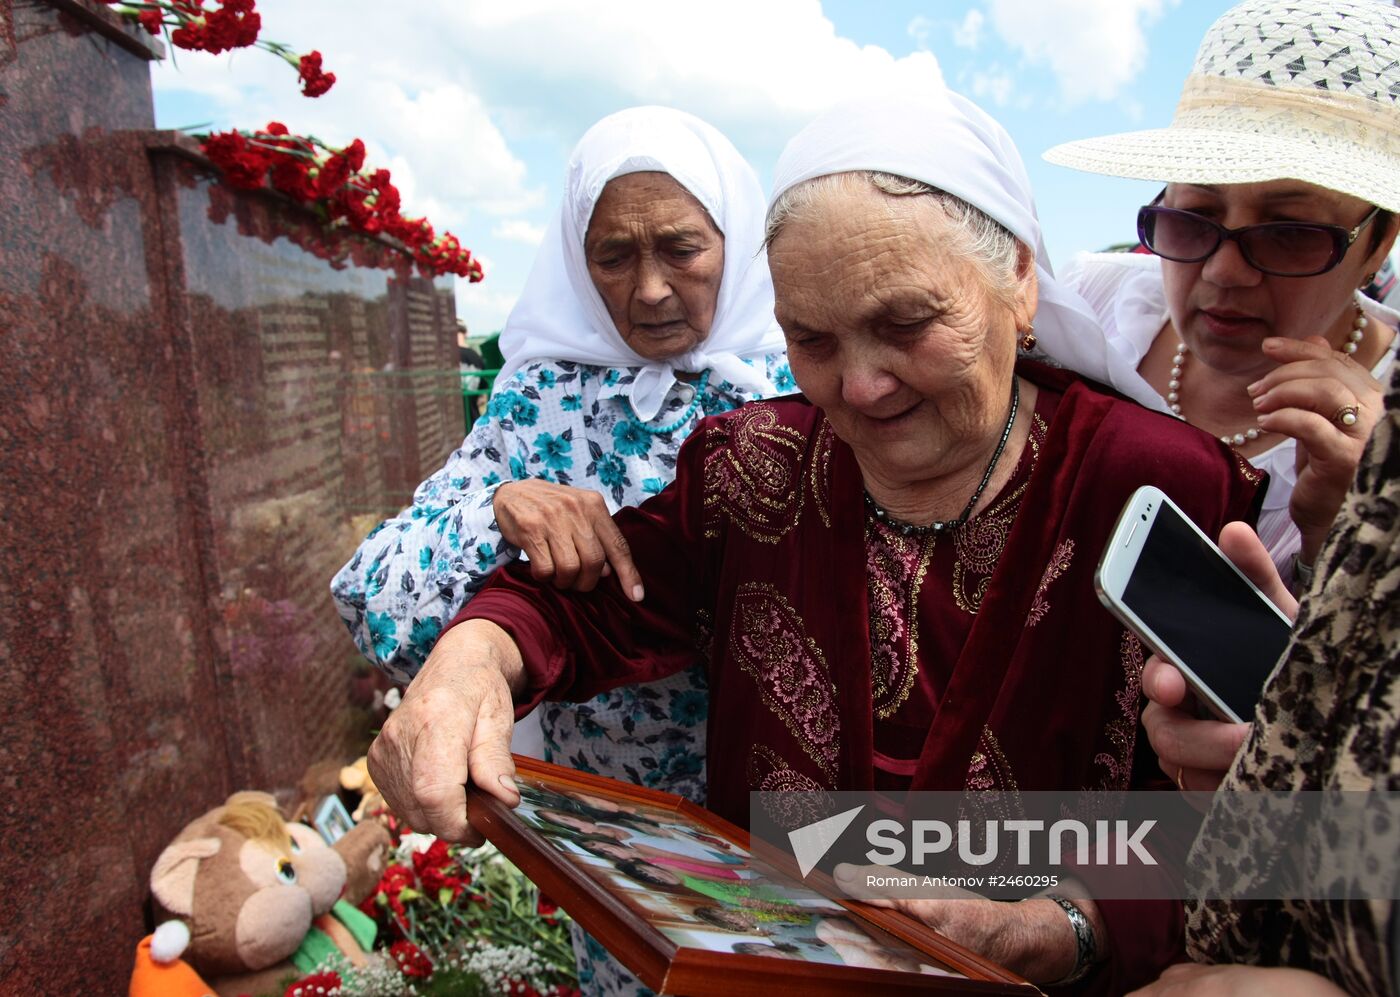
(978, 543)
(794, 799)
(1251, 473)
(893, 591)
(1059, 564)
(989, 769)
(820, 474)
(751, 470)
(769, 642)
(1122, 731)
(994, 794)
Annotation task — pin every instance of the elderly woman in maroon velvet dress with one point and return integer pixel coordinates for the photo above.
(890, 576)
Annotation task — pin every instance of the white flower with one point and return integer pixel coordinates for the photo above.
(413, 843)
(393, 698)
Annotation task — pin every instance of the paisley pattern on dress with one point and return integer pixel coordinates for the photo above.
(796, 799)
(770, 644)
(752, 470)
(1122, 731)
(819, 477)
(989, 769)
(981, 540)
(1059, 564)
(895, 568)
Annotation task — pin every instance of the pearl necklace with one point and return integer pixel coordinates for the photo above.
(1354, 338)
(685, 416)
(939, 525)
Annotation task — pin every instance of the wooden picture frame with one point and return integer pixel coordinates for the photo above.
(580, 838)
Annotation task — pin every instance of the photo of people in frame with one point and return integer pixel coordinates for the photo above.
(699, 889)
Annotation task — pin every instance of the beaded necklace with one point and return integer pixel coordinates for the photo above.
(1173, 395)
(939, 525)
(685, 416)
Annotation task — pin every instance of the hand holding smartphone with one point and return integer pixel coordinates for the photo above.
(1170, 584)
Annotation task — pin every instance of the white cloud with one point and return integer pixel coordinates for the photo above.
(758, 83)
(968, 34)
(519, 230)
(1093, 47)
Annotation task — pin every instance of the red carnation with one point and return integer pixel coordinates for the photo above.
(243, 165)
(314, 82)
(411, 960)
(152, 20)
(332, 175)
(292, 176)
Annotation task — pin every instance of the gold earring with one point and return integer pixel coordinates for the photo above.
(1368, 280)
(1028, 340)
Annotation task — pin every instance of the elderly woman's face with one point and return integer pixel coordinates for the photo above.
(656, 258)
(895, 337)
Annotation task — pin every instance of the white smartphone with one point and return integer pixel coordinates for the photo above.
(1174, 588)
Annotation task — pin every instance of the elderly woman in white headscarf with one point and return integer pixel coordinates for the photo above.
(649, 307)
(892, 576)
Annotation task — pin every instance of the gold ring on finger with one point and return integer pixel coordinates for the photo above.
(1180, 778)
(1345, 416)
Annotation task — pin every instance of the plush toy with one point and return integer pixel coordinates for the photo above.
(356, 779)
(263, 898)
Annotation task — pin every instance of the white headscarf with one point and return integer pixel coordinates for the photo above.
(561, 316)
(950, 143)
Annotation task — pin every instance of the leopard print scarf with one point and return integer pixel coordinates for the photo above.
(1329, 719)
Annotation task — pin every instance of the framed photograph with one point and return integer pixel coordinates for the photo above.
(672, 891)
(332, 819)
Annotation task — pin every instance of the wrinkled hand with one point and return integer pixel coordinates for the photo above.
(1299, 399)
(567, 533)
(1031, 937)
(1192, 752)
(454, 724)
(1189, 979)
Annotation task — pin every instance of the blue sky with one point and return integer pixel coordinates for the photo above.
(474, 106)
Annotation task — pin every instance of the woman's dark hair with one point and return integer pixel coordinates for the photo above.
(1380, 225)
(645, 872)
(594, 840)
(763, 948)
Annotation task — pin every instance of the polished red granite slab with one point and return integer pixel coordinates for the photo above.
(205, 407)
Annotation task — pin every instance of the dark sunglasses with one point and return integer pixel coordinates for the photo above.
(1282, 249)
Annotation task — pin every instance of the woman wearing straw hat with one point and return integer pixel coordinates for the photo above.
(1283, 182)
(1282, 168)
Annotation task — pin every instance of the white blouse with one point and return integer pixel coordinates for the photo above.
(1125, 291)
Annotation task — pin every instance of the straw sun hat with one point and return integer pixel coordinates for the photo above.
(1281, 89)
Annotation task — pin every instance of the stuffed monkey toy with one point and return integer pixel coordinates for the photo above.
(260, 896)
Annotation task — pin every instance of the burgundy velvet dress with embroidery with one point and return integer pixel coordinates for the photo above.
(994, 666)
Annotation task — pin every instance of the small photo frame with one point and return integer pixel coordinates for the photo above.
(674, 893)
(332, 819)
